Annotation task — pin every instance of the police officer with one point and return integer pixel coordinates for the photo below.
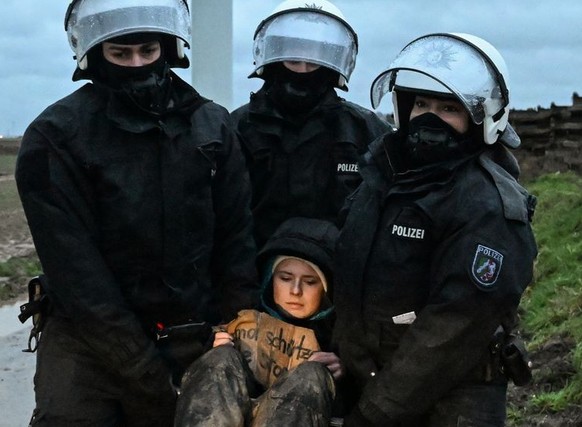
(136, 193)
(300, 139)
(437, 247)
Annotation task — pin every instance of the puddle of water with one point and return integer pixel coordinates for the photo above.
(9, 322)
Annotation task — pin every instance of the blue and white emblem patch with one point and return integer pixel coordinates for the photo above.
(486, 267)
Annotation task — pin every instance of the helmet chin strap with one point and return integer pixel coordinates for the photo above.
(148, 87)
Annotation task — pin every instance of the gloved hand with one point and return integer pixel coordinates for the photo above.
(356, 419)
(331, 361)
(156, 384)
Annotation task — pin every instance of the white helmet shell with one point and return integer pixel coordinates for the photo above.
(311, 31)
(457, 64)
(90, 22)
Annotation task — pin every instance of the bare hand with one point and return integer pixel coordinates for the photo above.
(222, 338)
(331, 362)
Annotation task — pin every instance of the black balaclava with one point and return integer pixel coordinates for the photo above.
(147, 86)
(430, 140)
(297, 93)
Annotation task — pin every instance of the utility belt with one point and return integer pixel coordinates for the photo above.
(37, 308)
(508, 358)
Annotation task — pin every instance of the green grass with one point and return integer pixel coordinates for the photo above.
(19, 270)
(20, 267)
(552, 306)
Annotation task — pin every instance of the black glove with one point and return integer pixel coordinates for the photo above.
(156, 384)
(356, 419)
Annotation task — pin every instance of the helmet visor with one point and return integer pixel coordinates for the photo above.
(457, 66)
(306, 36)
(92, 22)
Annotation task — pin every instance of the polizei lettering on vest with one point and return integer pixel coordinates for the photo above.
(347, 167)
(411, 233)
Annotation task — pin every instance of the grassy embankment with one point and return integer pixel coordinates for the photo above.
(552, 306)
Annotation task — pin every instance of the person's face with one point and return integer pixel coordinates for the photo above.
(132, 55)
(297, 288)
(449, 110)
(300, 66)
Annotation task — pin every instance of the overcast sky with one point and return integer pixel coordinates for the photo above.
(541, 41)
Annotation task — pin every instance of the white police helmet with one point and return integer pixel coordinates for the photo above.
(453, 64)
(90, 22)
(311, 31)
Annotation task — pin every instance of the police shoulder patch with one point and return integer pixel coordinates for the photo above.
(486, 267)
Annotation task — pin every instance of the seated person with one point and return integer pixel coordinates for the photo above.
(225, 388)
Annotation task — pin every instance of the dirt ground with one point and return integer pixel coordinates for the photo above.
(15, 238)
(552, 364)
(15, 241)
(552, 368)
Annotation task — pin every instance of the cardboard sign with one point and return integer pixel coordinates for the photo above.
(271, 346)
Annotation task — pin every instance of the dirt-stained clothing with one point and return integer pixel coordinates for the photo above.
(302, 165)
(139, 220)
(303, 396)
(222, 394)
(428, 264)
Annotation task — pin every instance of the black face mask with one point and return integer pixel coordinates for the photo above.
(299, 92)
(117, 76)
(431, 140)
(148, 87)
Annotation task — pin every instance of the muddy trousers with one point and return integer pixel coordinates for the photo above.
(217, 391)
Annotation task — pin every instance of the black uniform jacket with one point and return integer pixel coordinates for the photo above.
(302, 166)
(138, 219)
(429, 263)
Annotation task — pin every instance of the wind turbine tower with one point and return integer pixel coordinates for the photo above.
(212, 63)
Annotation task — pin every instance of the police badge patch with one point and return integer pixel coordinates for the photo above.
(486, 267)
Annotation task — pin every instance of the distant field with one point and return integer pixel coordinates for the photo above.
(17, 258)
(7, 163)
(9, 200)
(9, 145)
